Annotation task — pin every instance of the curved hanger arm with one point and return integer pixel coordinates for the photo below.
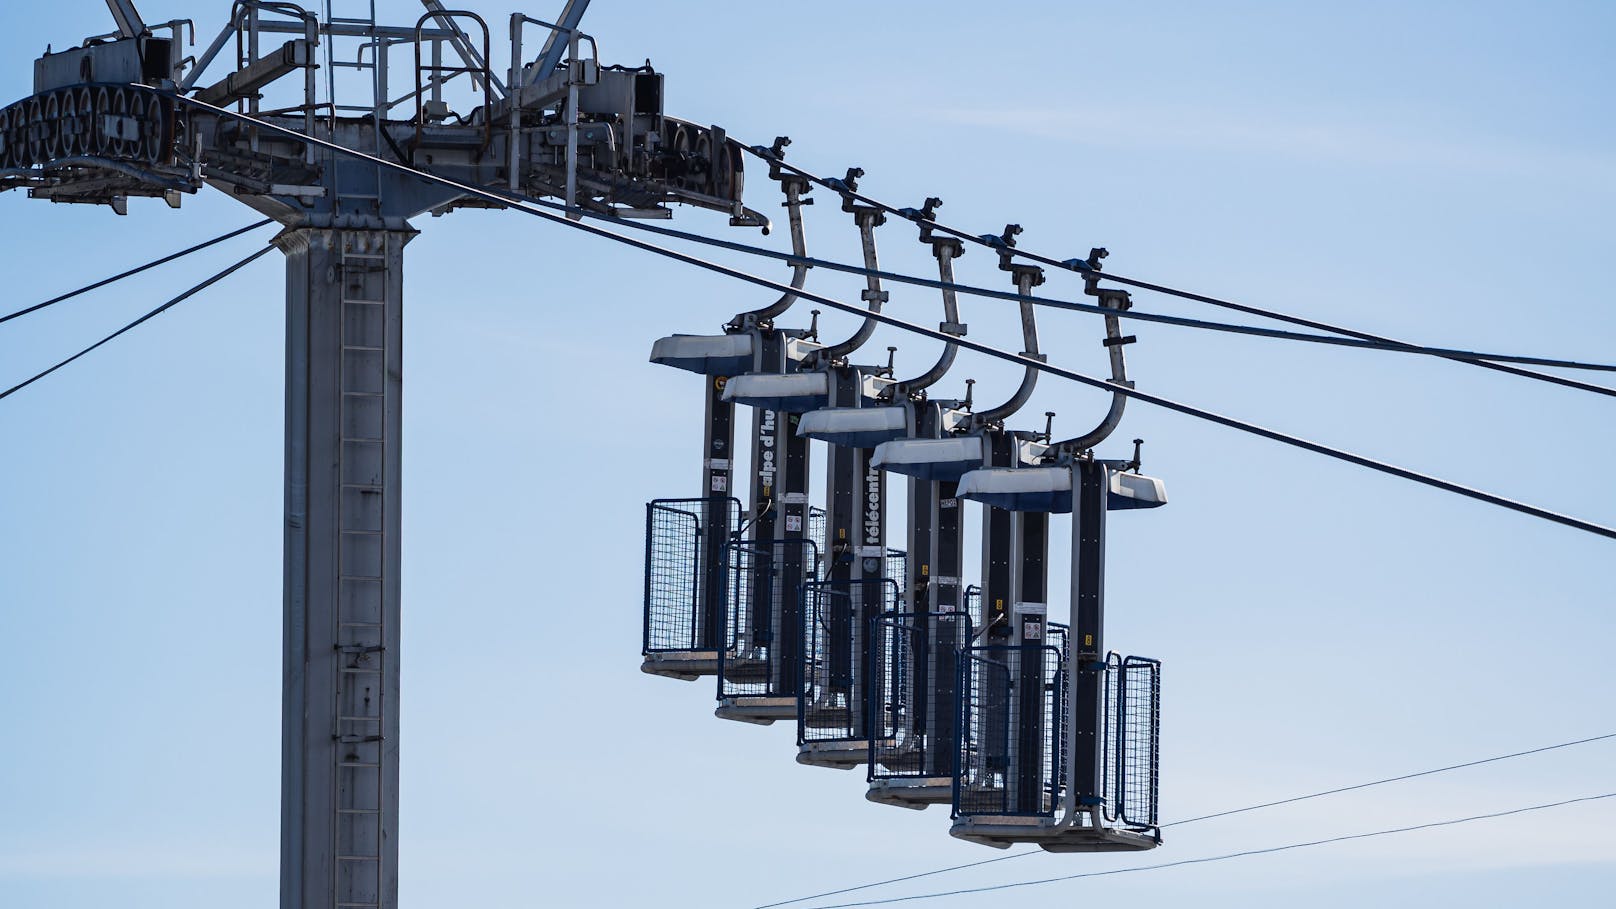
(794, 188)
(1117, 301)
(873, 295)
(946, 249)
(1027, 277)
(868, 218)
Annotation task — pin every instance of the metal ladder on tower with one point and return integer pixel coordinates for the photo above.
(367, 762)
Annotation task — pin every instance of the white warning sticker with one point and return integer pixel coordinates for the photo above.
(720, 483)
(1032, 630)
(793, 523)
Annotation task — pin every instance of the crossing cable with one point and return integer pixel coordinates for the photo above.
(1208, 817)
(520, 205)
(175, 301)
(1394, 779)
(1226, 856)
(136, 270)
(1048, 302)
(1082, 267)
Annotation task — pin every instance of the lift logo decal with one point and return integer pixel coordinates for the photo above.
(872, 506)
(766, 442)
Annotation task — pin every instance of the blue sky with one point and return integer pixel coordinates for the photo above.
(1442, 172)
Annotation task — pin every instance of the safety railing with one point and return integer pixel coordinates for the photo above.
(762, 656)
(837, 659)
(1012, 700)
(816, 528)
(684, 572)
(914, 693)
(1132, 740)
(896, 567)
(972, 603)
(1014, 741)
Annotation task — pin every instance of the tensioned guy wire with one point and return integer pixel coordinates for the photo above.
(175, 301)
(137, 270)
(1208, 817)
(517, 204)
(1078, 266)
(1393, 779)
(1226, 856)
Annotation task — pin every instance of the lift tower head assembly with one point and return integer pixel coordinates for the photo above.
(132, 115)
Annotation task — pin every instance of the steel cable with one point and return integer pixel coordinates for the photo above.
(1208, 817)
(1081, 268)
(175, 301)
(520, 205)
(1446, 353)
(1226, 856)
(136, 270)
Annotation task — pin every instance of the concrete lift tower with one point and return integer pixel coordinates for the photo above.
(130, 115)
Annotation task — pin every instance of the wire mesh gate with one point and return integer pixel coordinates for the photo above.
(816, 527)
(837, 659)
(1132, 740)
(763, 649)
(914, 693)
(684, 572)
(973, 604)
(1010, 755)
(1010, 768)
(896, 567)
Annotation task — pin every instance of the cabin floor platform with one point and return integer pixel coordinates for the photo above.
(759, 709)
(687, 665)
(837, 754)
(914, 792)
(1048, 834)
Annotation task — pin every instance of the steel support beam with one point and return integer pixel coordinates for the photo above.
(130, 25)
(716, 469)
(855, 508)
(1031, 613)
(1090, 481)
(780, 469)
(936, 561)
(572, 15)
(339, 793)
(998, 548)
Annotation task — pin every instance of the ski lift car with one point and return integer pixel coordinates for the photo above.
(1059, 746)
